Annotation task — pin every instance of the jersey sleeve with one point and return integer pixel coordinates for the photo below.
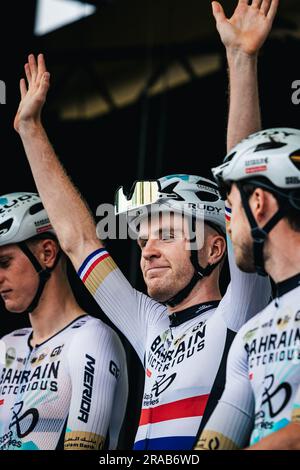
(231, 423)
(131, 311)
(98, 373)
(247, 293)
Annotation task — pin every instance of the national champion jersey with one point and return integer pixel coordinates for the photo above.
(184, 354)
(262, 393)
(68, 392)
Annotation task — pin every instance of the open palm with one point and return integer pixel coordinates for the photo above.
(249, 25)
(33, 97)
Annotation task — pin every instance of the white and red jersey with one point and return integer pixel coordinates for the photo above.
(184, 354)
(69, 392)
(262, 393)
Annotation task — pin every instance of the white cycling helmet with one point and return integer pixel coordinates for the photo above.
(186, 194)
(269, 159)
(189, 195)
(273, 154)
(22, 216)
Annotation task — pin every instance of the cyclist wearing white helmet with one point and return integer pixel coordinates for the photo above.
(183, 329)
(63, 383)
(261, 401)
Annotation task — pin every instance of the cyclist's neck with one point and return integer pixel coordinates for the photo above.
(56, 309)
(205, 290)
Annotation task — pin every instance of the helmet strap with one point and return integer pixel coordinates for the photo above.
(43, 273)
(259, 235)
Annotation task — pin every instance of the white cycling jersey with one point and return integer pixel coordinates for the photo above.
(184, 354)
(68, 392)
(262, 393)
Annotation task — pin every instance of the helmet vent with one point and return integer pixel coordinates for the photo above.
(36, 208)
(207, 196)
(169, 191)
(229, 158)
(295, 159)
(269, 146)
(5, 226)
(209, 184)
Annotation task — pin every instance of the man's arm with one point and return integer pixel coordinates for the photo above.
(72, 221)
(287, 438)
(243, 35)
(67, 211)
(231, 423)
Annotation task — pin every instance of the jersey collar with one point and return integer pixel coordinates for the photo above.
(289, 284)
(48, 339)
(178, 318)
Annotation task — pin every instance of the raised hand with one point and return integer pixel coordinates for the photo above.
(249, 26)
(33, 95)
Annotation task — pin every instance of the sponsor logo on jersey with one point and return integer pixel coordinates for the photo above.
(274, 399)
(21, 360)
(282, 322)
(88, 382)
(42, 377)
(268, 324)
(7, 440)
(275, 347)
(162, 382)
(10, 356)
(162, 356)
(78, 324)
(36, 360)
(81, 440)
(23, 422)
(56, 351)
(250, 334)
(114, 370)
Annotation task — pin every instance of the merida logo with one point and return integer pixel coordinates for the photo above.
(88, 381)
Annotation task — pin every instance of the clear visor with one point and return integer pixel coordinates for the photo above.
(141, 194)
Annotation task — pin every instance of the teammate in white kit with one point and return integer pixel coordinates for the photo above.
(63, 384)
(183, 329)
(261, 401)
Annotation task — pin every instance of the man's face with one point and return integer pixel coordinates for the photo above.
(165, 256)
(18, 279)
(239, 231)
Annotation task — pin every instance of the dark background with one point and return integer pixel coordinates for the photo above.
(181, 129)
